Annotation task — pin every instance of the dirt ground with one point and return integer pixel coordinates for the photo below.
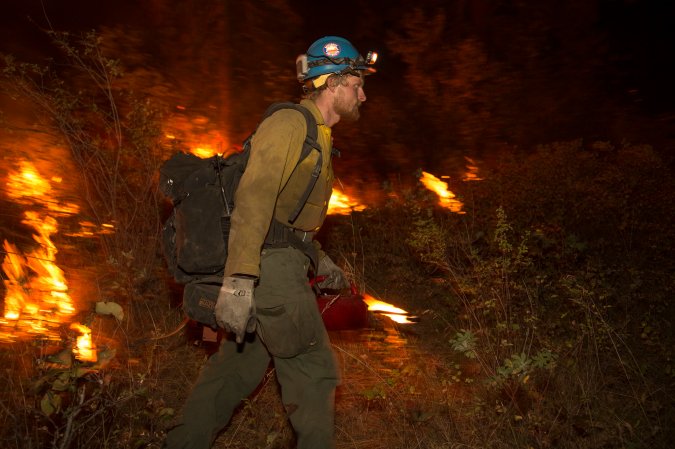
(398, 384)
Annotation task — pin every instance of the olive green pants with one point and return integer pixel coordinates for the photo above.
(291, 333)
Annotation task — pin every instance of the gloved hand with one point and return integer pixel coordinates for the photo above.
(335, 278)
(235, 309)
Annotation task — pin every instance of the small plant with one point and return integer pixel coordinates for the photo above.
(465, 342)
(63, 375)
(375, 393)
(72, 393)
(428, 239)
(520, 367)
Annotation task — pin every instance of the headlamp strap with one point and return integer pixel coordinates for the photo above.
(325, 60)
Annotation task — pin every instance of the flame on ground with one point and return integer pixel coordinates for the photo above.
(471, 171)
(341, 204)
(85, 349)
(204, 151)
(89, 229)
(191, 129)
(445, 197)
(37, 300)
(395, 313)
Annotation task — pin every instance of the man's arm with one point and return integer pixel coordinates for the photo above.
(275, 150)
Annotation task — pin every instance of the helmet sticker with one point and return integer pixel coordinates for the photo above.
(331, 49)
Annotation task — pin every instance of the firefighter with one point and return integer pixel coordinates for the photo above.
(266, 304)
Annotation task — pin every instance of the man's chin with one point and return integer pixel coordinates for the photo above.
(351, 116)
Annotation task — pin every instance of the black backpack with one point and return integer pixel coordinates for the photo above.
(195, 236)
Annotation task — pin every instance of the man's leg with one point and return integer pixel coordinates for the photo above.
(228, 377)
(308, 384)
(290, 326)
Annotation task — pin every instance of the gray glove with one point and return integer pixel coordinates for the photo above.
(235, 309)
(335, 278)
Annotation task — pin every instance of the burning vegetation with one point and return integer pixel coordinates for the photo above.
(342, 204)
(446, 198)
(37, 301)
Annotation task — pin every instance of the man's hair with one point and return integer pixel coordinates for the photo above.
(311, 92)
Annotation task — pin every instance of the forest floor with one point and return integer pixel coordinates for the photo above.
(398, 387)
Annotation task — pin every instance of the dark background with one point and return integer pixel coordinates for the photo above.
(456, 78)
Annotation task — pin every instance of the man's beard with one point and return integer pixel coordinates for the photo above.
(345, 112)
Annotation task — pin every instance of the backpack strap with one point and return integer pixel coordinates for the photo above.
(310, 143)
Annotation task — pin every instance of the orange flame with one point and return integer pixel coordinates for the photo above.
(37, 299)
(88, 229)
(341, 204)
(471, 171)
(395, 313)
(85, 349)
(445, 197)
(198, 133)
(204, 151)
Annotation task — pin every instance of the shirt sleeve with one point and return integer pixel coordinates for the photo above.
(275, 150)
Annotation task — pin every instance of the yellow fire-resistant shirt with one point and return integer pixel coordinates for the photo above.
(268, 190)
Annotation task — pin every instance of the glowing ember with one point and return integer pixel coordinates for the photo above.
(85, 349)
(341, 204)
(396, 314)
(445, 197)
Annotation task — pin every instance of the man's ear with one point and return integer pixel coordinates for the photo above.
(333, 82)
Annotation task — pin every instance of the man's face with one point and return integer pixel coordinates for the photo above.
(348, 98)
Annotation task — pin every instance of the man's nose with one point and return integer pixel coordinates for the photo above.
(362, 95)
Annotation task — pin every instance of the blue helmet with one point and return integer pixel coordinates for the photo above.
(332, 55)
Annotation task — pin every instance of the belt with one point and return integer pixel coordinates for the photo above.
(305, 236)
(282, 236)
